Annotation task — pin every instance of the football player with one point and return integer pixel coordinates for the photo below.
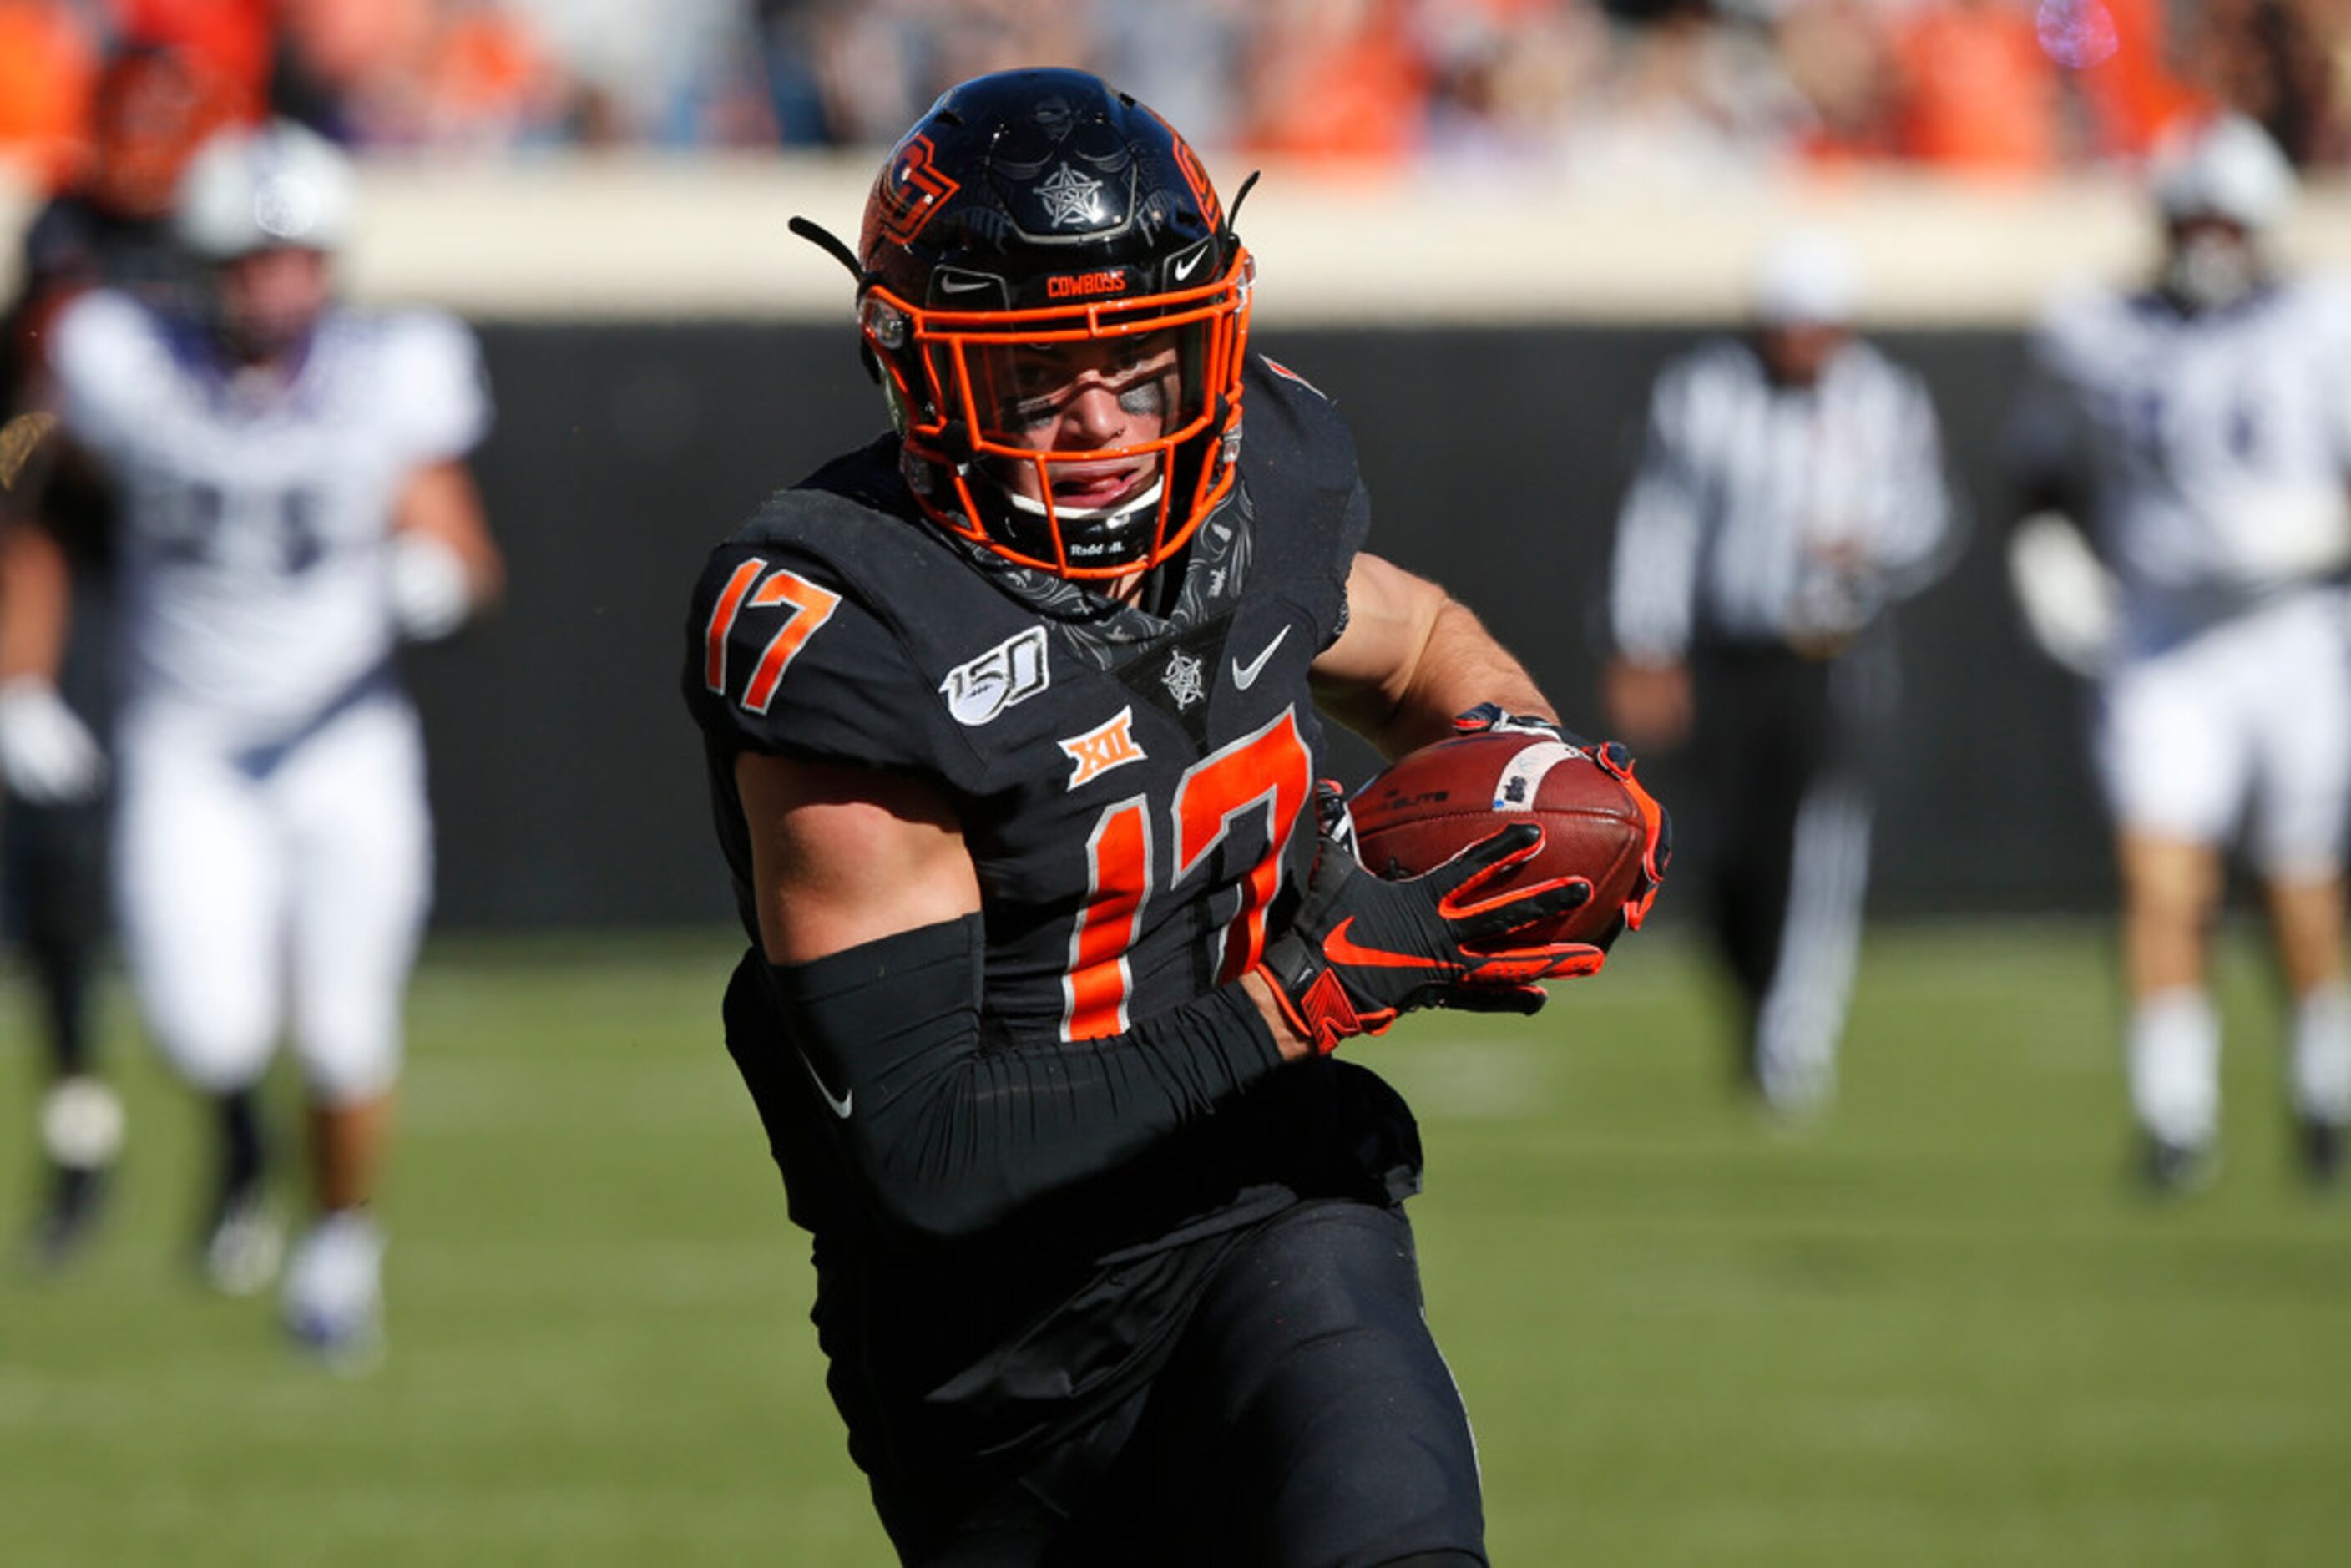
(294, 502)
(1012, 725)
(110, 227)
(2198, 432)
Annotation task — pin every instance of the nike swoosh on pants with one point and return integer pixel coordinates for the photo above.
(839, 1104)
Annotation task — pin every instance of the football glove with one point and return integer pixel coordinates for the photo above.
(2069, 602)
(431, 594)
(1492, 718)
(1657, 855)
(1364, 950)
(1616, 761)
(47, 753)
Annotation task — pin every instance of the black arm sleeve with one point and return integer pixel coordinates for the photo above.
(951, 1137)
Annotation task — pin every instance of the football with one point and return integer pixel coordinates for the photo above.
(1431, 804)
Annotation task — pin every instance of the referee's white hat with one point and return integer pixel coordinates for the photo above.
(1805, 278)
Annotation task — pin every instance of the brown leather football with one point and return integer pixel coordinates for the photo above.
(1429, 805)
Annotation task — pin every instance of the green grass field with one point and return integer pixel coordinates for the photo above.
(1937, 1329)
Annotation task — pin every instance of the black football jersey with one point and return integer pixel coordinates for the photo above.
(1129, 783)
(73, 245)
(73, 242)
(1134, 789)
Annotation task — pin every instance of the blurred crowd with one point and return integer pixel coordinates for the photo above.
(1633, 89)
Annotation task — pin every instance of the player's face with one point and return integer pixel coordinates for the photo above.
(1094, 395)
(268, 300)
(1797, 352)
(2210, 261)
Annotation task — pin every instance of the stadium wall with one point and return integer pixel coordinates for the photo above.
(569, 779)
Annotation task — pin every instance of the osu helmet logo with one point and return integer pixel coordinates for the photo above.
(1187, 164)
(912, 191)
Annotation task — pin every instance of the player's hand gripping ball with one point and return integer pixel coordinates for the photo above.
(1597, 821)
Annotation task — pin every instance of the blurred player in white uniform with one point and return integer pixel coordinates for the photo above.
(2200, 434)
(295, 502)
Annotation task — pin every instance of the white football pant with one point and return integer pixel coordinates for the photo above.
(2254, 713)
(258, 891)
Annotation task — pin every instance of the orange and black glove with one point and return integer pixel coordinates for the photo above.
(1493, 719)
(1658, 854)
(1362, 950)
(1614, 759)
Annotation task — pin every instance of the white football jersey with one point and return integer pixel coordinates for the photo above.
(2216, 449)
(251, 549)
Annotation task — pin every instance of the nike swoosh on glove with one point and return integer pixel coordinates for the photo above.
(1364, 950)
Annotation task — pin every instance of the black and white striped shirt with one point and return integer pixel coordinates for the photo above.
(1778, 513)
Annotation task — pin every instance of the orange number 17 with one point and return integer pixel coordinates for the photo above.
(810, 608)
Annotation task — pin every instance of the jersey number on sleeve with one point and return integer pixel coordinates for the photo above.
(1267, 774)
(806, 608)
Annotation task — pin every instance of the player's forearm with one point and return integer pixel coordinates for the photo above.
(1413, 657)
(953, 1139)
(440, 503)
(1458, 665)
(35, 604)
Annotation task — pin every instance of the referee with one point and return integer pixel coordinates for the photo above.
(1791, 487)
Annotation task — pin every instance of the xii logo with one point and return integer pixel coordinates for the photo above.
(1098, 751)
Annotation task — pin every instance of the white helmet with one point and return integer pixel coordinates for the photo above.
(2226, 168)
(263, 187)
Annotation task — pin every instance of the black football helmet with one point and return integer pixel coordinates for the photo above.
(1038, 232)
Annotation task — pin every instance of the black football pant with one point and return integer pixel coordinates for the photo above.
(1305, 1420)
(54, 868)
(1780, 741)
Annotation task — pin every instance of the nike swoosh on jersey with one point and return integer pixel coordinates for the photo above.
(1341, 948)
(1244, 676)
(837, 1103)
